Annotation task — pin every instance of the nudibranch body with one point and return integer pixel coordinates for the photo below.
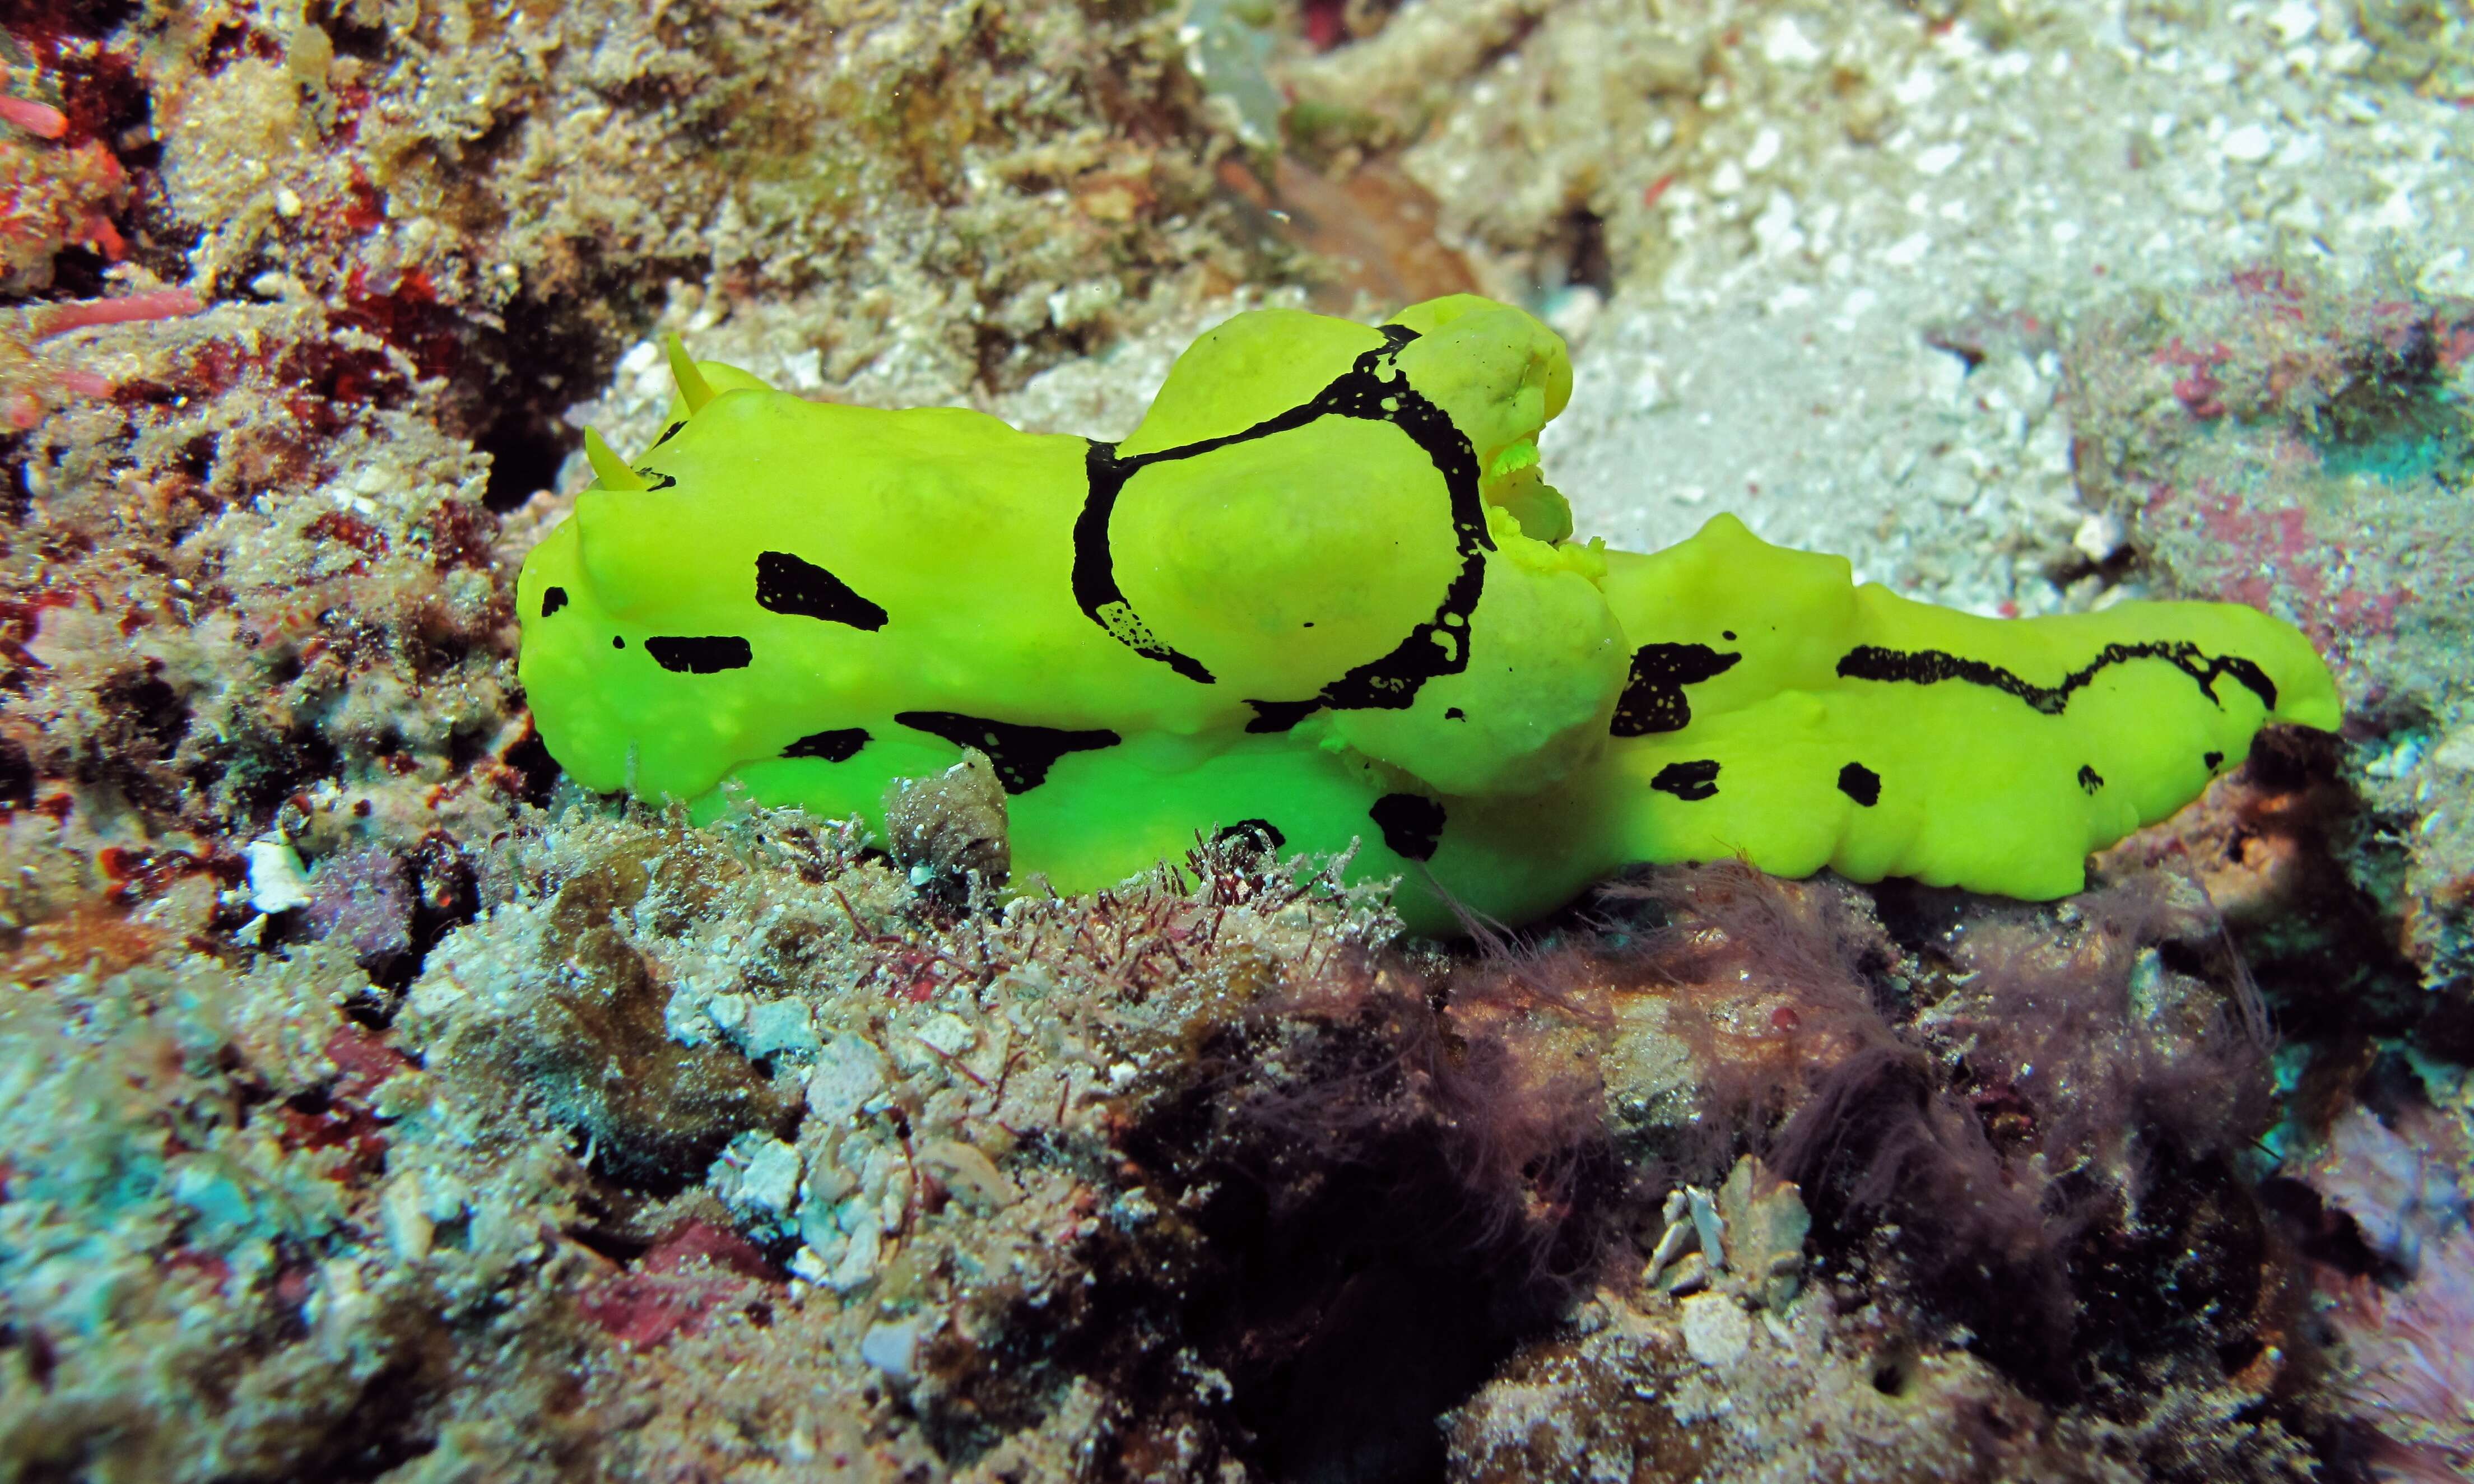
(1324, 594)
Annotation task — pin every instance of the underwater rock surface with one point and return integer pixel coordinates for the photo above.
(376, 1103)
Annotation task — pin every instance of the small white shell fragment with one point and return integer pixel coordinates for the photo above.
(1938, 159)
(969, 1169)
(1712, 1227)
(849, 1072)
(950, 1034)
(1670, 1246)
(2456, 751)
(2098, 536)
(1716, 1329)
(405, 1219)
(276, 880)
(782, 1027)
(2247, 145)
(892, 1349)
(758, 1173)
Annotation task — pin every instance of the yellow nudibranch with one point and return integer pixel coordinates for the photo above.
(1324, 594)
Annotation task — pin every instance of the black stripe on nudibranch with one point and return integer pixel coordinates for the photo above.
(2212, 761)
(794, 586)
(1271, 717)
(1931, 666)
(1412, 824)
(839, 746)
(669, 432)
(1021, 754)
(2090, 779)
(1691, 781)
(552, 600)
(1653, 697)
(703, 654)
(1861, 783)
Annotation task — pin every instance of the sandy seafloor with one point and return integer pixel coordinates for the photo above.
(374, 1104)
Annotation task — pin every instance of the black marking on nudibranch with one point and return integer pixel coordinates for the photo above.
(1260, 833)
(1412, 824)
(2212, 761)
(700, 654)
(1021, 754)
(1691, 781)
(2090, 779)
(1861, 783)
(669, 432)
(1929, 667)
(1281, 715)
(792, 585)
(552, 600)
(839, 746)
(1653, 698)
(1373, 389)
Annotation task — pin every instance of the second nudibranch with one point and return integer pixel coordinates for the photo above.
(1324, 594)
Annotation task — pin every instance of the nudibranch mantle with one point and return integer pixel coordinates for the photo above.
(1324, 593)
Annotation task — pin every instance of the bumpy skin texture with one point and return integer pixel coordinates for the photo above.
(1300, 599)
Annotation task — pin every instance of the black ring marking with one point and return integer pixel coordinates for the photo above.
(2212, 761)
(1861, 783)
(2090, 779)
(1929, 666)
(1374, 390)
(839, 746)
(701, 654)
(1653, 697)
(1021, 754)
(1412, 824)
(1691, 781)
(552, 600)
(798, 587)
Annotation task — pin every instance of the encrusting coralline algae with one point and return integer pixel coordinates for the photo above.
(376, 1104)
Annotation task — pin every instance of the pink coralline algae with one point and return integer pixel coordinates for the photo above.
(675, 1286)
(2276, 443)
(2413, 1372)
(2274, 559)
(29, 386)
(2397, 1185)
(362, 899)
(59, 185)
